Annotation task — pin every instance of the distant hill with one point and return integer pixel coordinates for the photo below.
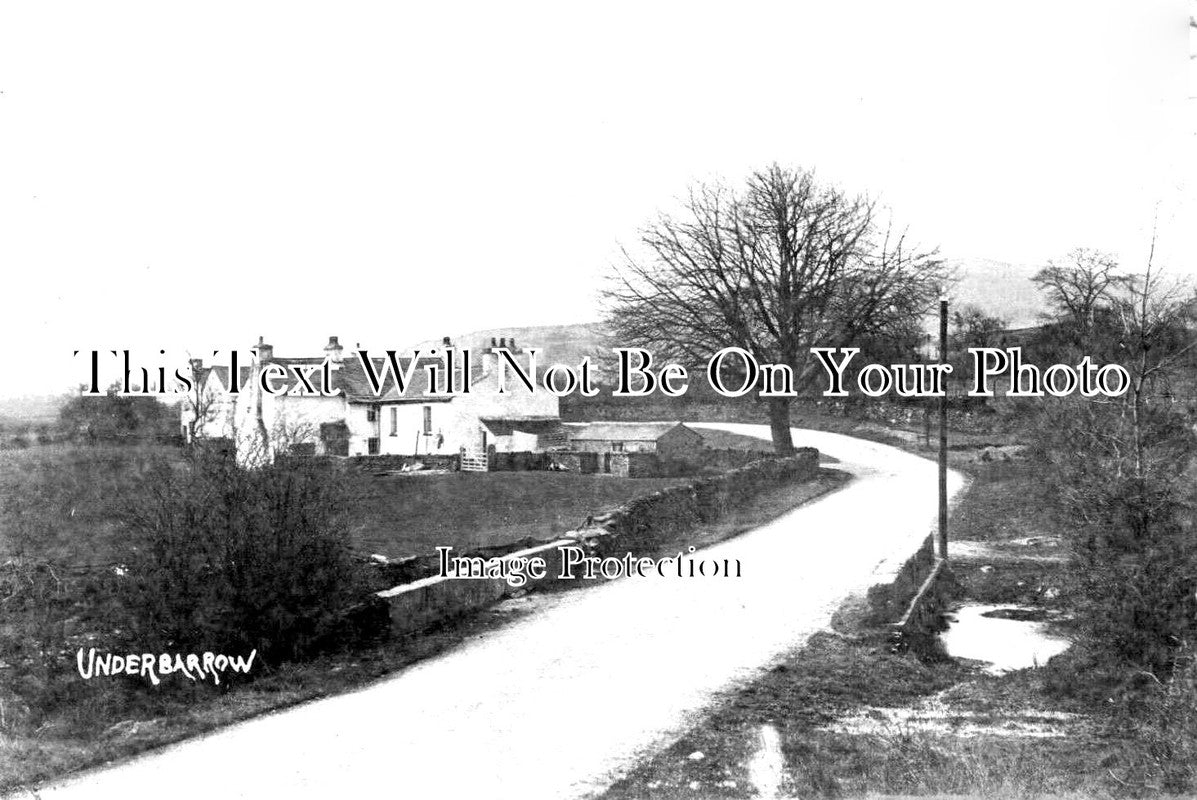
(565, 344)
(1000, 288)
(32, 409)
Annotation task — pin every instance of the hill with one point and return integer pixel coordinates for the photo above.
(558, 343)
(1000, 288)
(31, 410)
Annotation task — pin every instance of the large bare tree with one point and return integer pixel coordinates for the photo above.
(778, 266)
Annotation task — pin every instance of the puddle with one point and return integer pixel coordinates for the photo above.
(1007, 637)
(767, 765)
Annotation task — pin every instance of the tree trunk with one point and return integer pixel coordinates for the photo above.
(779, 425)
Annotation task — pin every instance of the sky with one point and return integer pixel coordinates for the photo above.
(192, 177)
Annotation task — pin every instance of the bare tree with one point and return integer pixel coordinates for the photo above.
(201, 402)
(1078, 287)
(289, 429)
(1155, 315)
(782, 265)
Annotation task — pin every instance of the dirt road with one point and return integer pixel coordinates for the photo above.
(557, 704)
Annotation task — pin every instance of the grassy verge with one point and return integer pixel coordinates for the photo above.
(846, 716)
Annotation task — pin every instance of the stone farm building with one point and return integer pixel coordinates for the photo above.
(670, 441)
(357, 422)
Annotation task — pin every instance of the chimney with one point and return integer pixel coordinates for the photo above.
(502, 341)
(333, 350)
(196, 365)
(490, 359)
(446, 342)
(265, 351)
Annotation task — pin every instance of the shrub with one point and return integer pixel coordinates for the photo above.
(1128, 529)
(1161, 716)
(1136, 573)
(227, 558)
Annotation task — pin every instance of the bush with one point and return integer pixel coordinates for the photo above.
(1136, 573)
(1161, 716)
(1128, 526)
(227, 558)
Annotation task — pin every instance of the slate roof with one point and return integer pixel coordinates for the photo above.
(222, 373)
(624, 431)
(352, 380)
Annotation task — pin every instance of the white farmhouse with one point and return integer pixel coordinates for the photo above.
(357, 422)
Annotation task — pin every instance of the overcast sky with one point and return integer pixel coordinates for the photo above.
(193, 179)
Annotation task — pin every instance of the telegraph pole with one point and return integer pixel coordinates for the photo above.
(943, 433)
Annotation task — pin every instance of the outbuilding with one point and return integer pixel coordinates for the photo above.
(670, 441)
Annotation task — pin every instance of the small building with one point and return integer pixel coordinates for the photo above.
(670, 441)
(421, 420)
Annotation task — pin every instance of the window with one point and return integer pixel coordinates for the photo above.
(371, 414)
(427, 420)
(617, 447)
(394, 421)
(372, 446)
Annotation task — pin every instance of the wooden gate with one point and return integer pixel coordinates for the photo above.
(474, 462)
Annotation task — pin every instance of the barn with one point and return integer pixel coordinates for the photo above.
(670, 441)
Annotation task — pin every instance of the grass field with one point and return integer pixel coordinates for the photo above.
(64, 502)
(401, 515)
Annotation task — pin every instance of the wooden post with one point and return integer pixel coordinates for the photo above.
(943, 433)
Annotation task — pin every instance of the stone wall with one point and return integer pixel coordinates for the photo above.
(889, 602)
(654, 465)
(418, 606)
(380, 463)
(582, 463)
(623, 465)
(639, 526)
(725, 459)
(914, 603)
(717, 495)
(646, 521)
(399, 462)
(632, 465)
(519, 461)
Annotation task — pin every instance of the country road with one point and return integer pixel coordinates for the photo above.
(558, 704)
